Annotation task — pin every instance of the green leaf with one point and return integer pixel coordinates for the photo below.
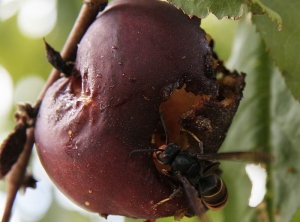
(232, 9)
(268, 119)
(285, 142)
(283, 45)
(201, 8)
(250, 128)
(257, 7)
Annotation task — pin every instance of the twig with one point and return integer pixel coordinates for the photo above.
(15, 177)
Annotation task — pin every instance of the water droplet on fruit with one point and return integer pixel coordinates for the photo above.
(102, 108)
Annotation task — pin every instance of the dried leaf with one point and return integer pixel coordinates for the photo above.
(55, 59)
(11, 148)
(28, 182)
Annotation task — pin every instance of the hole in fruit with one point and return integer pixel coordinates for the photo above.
(188, 117)
(174, 108)
(179, 104)
(230, 85)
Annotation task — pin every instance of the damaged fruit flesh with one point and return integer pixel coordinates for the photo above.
(139, 58)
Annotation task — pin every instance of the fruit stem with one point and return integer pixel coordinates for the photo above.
(14, 179)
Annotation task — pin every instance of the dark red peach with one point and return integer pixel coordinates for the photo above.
(139, 58)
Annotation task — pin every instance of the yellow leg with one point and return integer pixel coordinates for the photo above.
(195, 137)
(177, 191)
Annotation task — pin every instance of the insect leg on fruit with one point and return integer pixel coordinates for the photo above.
(174, 194)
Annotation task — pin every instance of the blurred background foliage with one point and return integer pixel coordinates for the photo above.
(268, 118)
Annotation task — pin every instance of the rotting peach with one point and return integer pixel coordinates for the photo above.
(138, 59)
